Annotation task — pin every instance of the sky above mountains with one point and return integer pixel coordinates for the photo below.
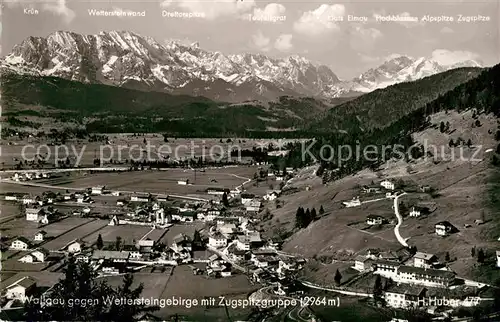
(308, 28)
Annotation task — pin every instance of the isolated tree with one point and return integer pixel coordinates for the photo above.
(300, 218)
(473, 251)
(307, 217)
(321, 210)
(447, 257)
(378, 292)
(441, 127)
(197, 240)
(469, 143)
(497, 135)
(338, 277)
(451, 143)
(118, 243)
(225, 201)
(313, 215)
(480, 256)
(99, 243)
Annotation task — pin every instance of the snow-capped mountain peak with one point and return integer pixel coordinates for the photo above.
(124, 58)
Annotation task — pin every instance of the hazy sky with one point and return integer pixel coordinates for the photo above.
(348, 48)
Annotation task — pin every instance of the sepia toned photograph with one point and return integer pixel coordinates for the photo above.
(250, 160)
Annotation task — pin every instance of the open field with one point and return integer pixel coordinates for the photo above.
(77, 233)
(123, 147)
(183, 284)
(154, 283)
(128, 233)
(158, 181)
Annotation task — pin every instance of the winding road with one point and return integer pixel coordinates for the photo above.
(400, 239)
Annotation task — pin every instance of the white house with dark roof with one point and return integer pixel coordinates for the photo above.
(217, 240)
(444, 228)
(374, 220)
(362, 263)
(388, 184)
(73, 247)
(97, 190)
(36, 256)
(40, 236)
(498, 258)
(424, 260)
(20, 243)
(34, 214)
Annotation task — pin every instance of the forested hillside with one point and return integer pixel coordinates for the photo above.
(481, 93)
(384, 106)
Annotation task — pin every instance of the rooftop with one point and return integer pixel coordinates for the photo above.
(426, 271)
(424, 256)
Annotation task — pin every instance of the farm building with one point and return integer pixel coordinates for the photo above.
(218, 191)
(20, 289)
(387, 184)
(97, 190)
(444, 228)
(374, 220)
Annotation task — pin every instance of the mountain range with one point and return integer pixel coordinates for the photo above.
(126, 59)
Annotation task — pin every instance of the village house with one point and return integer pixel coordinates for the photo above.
(355, 202)
(415, 212)
(73, 247)
(374, 220)
(181, 241)
(253, 206)
(115, 193)
(38, 255)
(97, 190)
(246, 198)
(425, 188)
(217, 240)
(111, 256)
(67, 196)
(11, 196)
(280, 177)
(243, 242)
(385, 268)
(498, 257)
(444, 228)
(34, 214)
(183, 182)
(217, 191)
(20, 289)
(227, 229)
(424, 260)
(404, 296)
(28, 200)
(362, 263)
(40, 236)
(265, 261)
(371, 189)
(140, 197)
(270, 196)
(387, 184)
(234, 193)
(287, 264)
(145, 245)
(20, 243)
